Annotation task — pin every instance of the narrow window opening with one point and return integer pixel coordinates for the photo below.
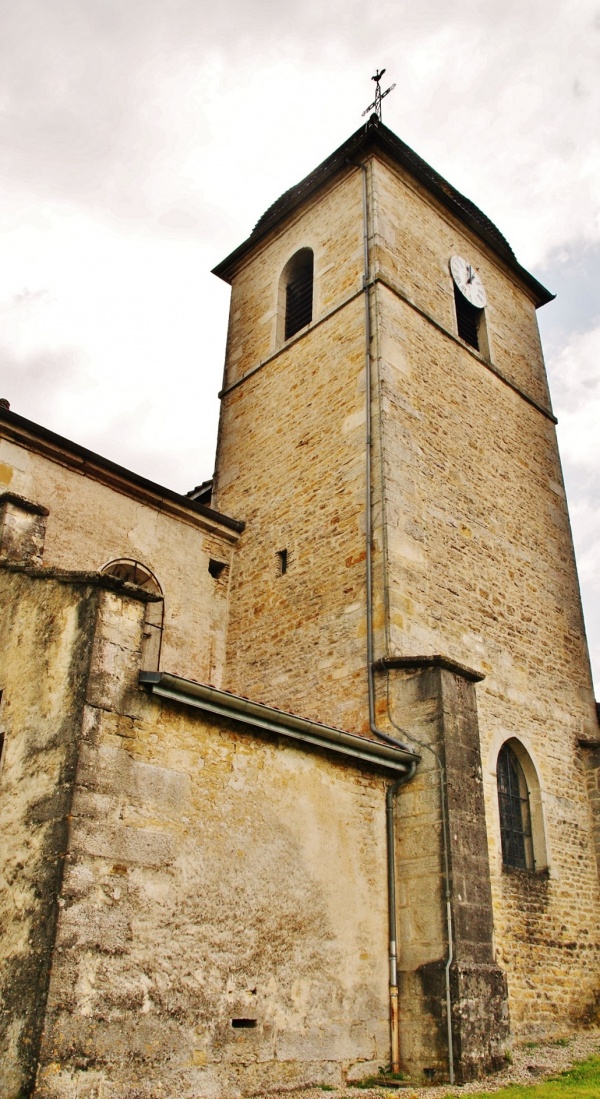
(515, 812)
(216, 568)
(282, 556)
(243, 1024)
(468, 318)
(296, 293)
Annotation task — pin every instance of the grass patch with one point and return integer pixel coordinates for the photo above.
(580, 1082)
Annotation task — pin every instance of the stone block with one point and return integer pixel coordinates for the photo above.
(114, 772)
(122, 843)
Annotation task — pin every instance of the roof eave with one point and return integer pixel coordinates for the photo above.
(360, 142)
(337, 161)
(22, 431)
(290, 727)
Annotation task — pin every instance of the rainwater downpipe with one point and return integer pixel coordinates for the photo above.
(394, 787)
(447, 890)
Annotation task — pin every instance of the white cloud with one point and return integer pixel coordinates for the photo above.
(574, 371)
(575, 376)
(139, 142)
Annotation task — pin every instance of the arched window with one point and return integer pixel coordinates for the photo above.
(132, 572)
(296, 292)
(516, 830)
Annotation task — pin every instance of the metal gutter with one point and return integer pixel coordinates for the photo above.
(201, 696)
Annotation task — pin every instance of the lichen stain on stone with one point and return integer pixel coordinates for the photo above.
(6, 474)
(165, 954)
(41, 721)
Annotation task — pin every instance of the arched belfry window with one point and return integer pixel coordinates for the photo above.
(296, 292)
(516, 830)
(133, 572)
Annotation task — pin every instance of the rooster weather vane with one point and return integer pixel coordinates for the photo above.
(379, 95)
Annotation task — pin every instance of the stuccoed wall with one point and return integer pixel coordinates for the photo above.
(211, 875)
(46, 630)
(91, 523)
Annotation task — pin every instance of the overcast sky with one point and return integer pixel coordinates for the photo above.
(141, 139)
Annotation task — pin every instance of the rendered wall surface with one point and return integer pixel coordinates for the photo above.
(46, 629)
(212, 875)
(90, 524)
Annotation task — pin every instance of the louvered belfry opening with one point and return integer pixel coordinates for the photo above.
(468, 317)
(299, 292)
(515, 817)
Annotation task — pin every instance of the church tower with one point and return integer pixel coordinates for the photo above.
(407, 570)
(307, 785)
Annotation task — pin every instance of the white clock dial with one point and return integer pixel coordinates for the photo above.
(468, 281)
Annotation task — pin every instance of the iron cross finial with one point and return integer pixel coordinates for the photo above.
(379, 95)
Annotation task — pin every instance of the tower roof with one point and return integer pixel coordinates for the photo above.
(376, 136)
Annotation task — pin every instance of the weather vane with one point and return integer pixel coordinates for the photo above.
(379, 95)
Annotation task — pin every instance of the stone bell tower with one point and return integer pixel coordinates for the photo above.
(387, 436)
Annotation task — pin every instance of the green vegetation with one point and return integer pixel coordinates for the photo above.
(580, 1082)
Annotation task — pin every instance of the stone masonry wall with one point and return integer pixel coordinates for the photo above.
(590, 751)
(414, 239)
(481, 569)
(212, 875)
(90, 524)
(470, 524)
(438, 708)
(46, 629)
(291, 464)
(332, 228)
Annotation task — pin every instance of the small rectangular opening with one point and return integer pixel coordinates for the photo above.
(216, 568)
(283, 561)
(243, 1024)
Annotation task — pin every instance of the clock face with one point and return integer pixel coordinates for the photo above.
(468, 281)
